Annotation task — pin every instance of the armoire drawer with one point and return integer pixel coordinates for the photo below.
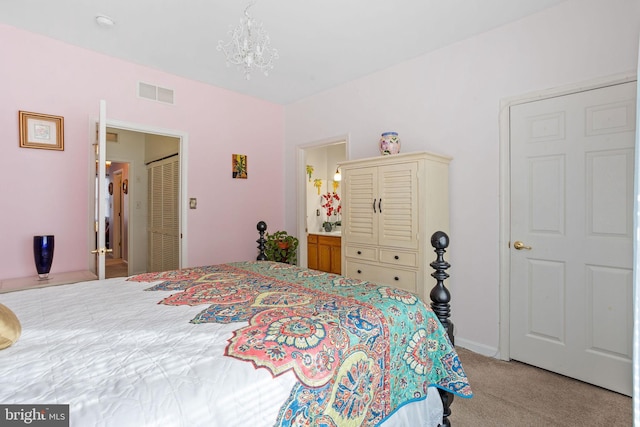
(403, 279)
(359, 252)
(408, 259)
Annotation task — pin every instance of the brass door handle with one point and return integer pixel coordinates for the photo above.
(520, 246)
(101, 251)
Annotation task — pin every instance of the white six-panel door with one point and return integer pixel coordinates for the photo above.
(572, 166)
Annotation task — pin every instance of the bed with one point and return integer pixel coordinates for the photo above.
(253, 343)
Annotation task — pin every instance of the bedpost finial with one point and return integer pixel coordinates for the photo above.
(440, 298)
(262, 227)
(440, 240)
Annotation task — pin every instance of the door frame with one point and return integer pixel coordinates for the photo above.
(301, 184)
(116, 226)
(505, 188)
(182, 196)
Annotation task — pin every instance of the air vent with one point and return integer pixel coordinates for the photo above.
(165, 95)
(110, 137)
(155, 93)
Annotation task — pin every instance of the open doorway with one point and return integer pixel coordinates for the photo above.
(129, 149)
(115, 222)
(317, 168)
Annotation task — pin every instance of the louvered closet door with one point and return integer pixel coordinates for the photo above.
(163, 232)
(360, 221)
(398, 205)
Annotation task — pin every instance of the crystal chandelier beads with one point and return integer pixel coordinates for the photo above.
(249, 47)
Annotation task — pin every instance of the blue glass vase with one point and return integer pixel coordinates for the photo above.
(43, 255)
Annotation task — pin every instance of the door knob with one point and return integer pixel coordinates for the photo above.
(520, 246)
(101, 251)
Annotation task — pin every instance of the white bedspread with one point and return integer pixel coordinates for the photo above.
(120, 359)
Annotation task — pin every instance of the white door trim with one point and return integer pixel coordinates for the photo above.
(301, 188)
(183, 199)
(116, 223)
(505, 187)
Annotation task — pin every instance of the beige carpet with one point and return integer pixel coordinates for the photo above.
(515, 394)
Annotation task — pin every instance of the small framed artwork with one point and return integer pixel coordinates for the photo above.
(239, 166)
(41, 131)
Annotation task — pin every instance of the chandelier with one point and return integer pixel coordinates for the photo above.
(249, 47)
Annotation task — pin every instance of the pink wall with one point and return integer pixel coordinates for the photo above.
(47, 192)
(448, 102)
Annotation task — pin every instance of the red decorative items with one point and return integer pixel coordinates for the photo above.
(330, 199)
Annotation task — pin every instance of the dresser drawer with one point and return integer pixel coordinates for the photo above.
(403, 279)
(357, 270)
(359, 252)
(407, 259)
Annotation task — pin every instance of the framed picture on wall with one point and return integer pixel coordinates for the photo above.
(41, 131)
(239, 166)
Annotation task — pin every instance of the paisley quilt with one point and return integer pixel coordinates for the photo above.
(359, 350)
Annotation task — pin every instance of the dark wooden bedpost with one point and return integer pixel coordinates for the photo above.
(262, 227)
(440, 298)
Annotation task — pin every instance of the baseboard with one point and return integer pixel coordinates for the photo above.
(476, 347)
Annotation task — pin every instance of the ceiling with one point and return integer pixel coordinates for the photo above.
(321, 44)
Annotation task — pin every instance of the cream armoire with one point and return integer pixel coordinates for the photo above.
(391, 205)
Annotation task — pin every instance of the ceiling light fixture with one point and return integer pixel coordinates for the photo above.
(249, 47)
(104, 21)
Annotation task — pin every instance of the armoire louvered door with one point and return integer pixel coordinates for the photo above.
(163, 222)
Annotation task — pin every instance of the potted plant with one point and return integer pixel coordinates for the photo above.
(281, 247)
